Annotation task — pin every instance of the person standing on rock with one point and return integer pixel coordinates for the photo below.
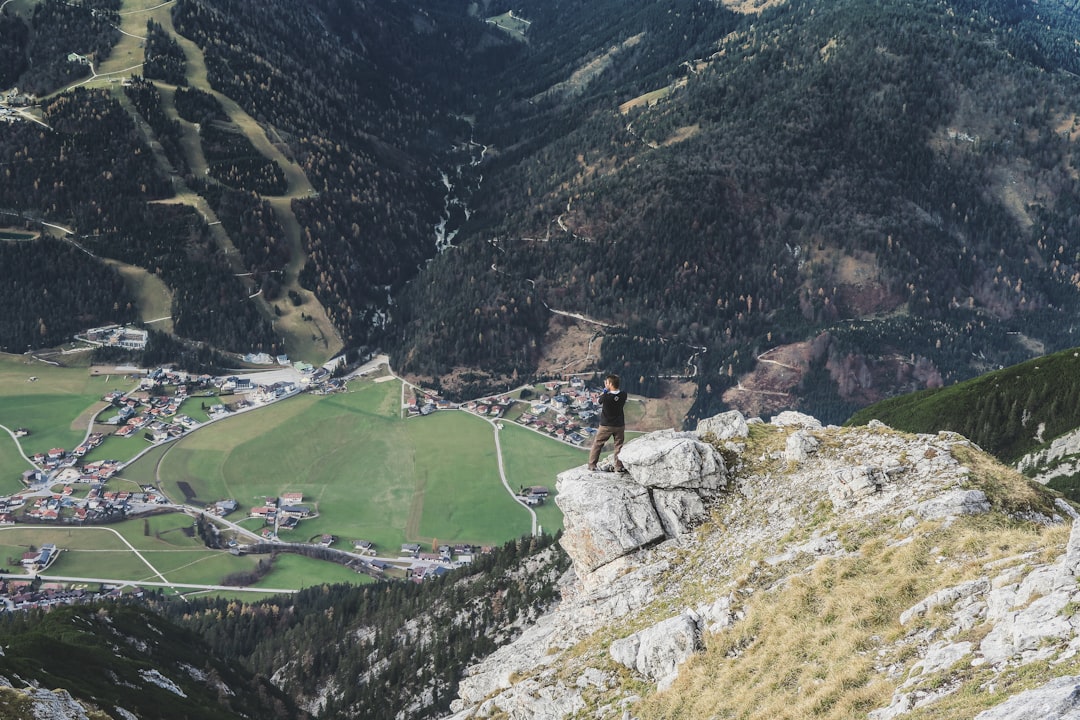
(612, 422)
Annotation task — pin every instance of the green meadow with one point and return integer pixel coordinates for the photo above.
(365, 472)
(12, 465)
(55, 407)
(533, 459)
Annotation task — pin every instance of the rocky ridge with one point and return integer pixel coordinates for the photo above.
(1061, 459)
(871, 572)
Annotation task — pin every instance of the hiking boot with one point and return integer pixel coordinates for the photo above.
(592, 468)
(621, 470)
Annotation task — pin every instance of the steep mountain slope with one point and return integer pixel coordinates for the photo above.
(1027, 414)
(792, 204)
(832, 573)
(1008, 413)
(121, 661)
(394, 649)
(910, 166)
(298, 149)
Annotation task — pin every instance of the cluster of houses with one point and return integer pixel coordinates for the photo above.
(436, 564)
(425, 402)
(58, 459)
(99, 504)
(8, 506)
(489, 407)
(284, 512)
(28, 594)
(565, 413)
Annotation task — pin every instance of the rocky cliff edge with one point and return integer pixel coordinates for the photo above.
(793, 570)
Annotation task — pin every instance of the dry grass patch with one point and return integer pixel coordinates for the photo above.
(814, 646)
(1007, 489)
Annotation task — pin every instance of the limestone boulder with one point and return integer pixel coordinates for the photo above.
(1058, 699)
(604, 517)
(800, 445)
(790, 418)
(659, 461)
(954, 503)
(725, 426)
(657, 652)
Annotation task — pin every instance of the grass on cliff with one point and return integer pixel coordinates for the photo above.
(814, 646)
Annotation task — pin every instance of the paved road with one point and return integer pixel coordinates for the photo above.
(140, 583)
(502, 474)
(18, 445)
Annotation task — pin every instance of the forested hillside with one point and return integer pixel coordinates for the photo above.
(390, 650)
(363, 95)
(884, 195)
(122, 660)
(894, 162)
(393, 649)
(1008, 413)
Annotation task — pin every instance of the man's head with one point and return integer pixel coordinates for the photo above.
(611, 382)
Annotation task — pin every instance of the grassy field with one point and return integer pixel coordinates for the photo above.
(12, 465)
(297, 571)
(152, 295)
(51, 405)
(532, 459)
(16, 235)
(367, 473)
(458, 484)
(512, 26)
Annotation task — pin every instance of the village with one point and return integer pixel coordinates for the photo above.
(564, 410)
(160, 409)
(152, 412)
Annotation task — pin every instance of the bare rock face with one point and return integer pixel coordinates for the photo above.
(851, 484)
(604, 517)
(657, 652)
(45, 704)
(1058, 699)
(608, 515)
(790, 492)
(677, 461)
(725, 426)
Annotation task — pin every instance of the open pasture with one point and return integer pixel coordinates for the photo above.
(297, 571)
(12, 465)
(513, 26)
(532, 459)
(49, 401)
(366, 473)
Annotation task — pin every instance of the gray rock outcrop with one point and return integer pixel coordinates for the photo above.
(606, 515)
(1058, 699)
(682, 525)
(800, 445)
(725, 426)
(953, 504)
(657, 652)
